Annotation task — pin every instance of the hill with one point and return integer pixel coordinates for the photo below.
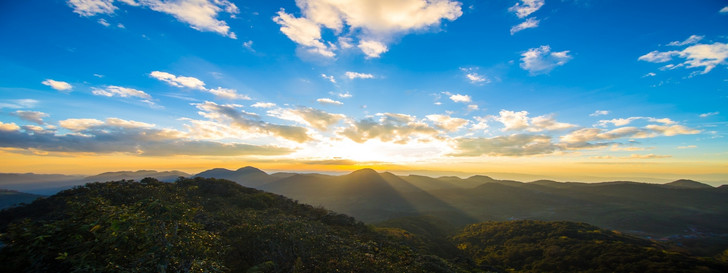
(536, 246)
(688, 184)
(199, 225)
(9, 198)
(166, 176)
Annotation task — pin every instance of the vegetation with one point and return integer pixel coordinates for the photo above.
(537, 246)
(194, 225)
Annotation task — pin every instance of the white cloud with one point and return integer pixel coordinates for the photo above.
(706, 56)
(672, 130)
(92, 7)
(651, 74)
(724, 10)
(374, 21)
(315, 118)
(329, 101)
(541, 60)
(57, 85)
(79, 124)
(344, 95)
(199, 14)
(447, 123)
(227, 93)
(32, 116)
(618, 121)
(513, 120)
(548, 123)
(512, 145)
(472, 107)
(330, 78)
(103, 22)
(705, 115)
(8, 127)
(249, 45)
(459, 98)
(687, 147)
(391, 127)
(372, 48)
(178, 81)
(18, 103)
(526, 7)
(356, 75)
(599, 113)
(124, 92)
(263, 105)
(529, 23)
(473, 76)
(693, 39)
(647, 156)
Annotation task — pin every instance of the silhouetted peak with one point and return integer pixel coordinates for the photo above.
(364, 172)
(688, 184)
(249, 169)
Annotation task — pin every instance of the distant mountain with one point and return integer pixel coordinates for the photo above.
(246, 176)
(166, 176)
(9, 198)
(43, 184)
(688, 184)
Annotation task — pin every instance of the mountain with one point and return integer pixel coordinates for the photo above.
(9, 198)
(43, 184)
(246, 176)
(166, 176)
(537, 246)
(688, 184)
(196, 225)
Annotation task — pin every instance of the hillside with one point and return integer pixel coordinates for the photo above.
(198, 225)
(10, 198)
(536, 246)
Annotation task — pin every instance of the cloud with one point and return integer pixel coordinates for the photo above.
(724, 10)
(705, 115)
(529, 23)
(57, 85)
(599, 113)
(459, 97)
(374, 22)
(92, 7)
(227, 93)
(372, 48)
(541, 60)
(330, 78)
(706, 56)
(472, 107)
(31, 116)
(548, 123)
(344, 95)
(584, 138)
(693, 39)
(315, 118)
(124, 92)
(124, 136)
(199, 14)
(647, 156)
(8, 127)
(618, 121)
(195, 83)
(672, 130)
(18, 103)
(178, 81)
(104, 23)
(687, 147)
(473, 76)
(390, 127)
(263, 105)
(249, 122)
(249, 45)
(356, 75)
(329, 101)
(526, 7)
(512, 145)
(447, 123)
(651, 74)
(513, 120)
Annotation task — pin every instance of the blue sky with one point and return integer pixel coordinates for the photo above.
(582, 87)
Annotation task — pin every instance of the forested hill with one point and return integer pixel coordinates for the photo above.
(194, 225)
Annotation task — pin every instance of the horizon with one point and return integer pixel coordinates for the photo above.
(564, 90)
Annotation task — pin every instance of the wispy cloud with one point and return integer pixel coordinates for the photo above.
(329, 78)
(526, 7)
(472, 75)
(705, 115)
(329, 101)
(693, 39)
(511, 145)
(195, 83)
(705, 56)
(32, 116)
(541, 60)
(357, 75)
(599, 113)
(529, 23)
(124, 92)
(263, 105)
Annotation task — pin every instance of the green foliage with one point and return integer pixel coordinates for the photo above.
(536, 246)
(194, 225)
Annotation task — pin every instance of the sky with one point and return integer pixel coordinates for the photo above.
(564, 89)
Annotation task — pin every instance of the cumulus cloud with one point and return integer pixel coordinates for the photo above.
(329, 101)
(124, 136)
(541, 60)
(356, 75)
(315, 118)
(195, 83)
(512, 145)
(201, 15)
(599, 113)
(513, 120)
(529, 23)
(8, 127)
(390, 127)
(249, 122)
(548, 123)
(374, 21)
(473, 76)
(31, 116)
(447, 123)
(124, 92)
(705, 56)
(459, 98)
(57, 85)
(526, 7)
(330, 78)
